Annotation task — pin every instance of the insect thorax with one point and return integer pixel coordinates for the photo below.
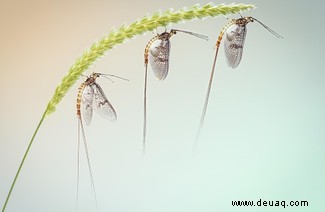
(164, 36)
(243, 21)
(90, 80)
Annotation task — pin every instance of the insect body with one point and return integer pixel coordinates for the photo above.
(157, 51)
(235, 34)
(91, 97)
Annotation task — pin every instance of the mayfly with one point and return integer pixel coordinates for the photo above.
(157, 51)
(235, 32)
(91, 97)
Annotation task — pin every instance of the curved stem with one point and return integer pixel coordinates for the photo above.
(23, 160)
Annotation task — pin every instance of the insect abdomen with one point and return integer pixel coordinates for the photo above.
(146, 50)
(80, 90)
(223, 32)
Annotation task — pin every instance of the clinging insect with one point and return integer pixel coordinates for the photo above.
(157, 51)
(235, 33)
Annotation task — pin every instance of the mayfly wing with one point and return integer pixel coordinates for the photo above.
(234, 43)
(101, 105)
(87, 104)
(159, 57)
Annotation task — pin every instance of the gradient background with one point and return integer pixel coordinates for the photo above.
(264, 131)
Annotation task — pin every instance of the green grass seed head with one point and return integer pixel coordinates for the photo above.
(139, 27)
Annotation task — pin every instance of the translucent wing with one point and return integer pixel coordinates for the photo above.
(101, 105)
(86, 104)
(234, 43)
(159, 58)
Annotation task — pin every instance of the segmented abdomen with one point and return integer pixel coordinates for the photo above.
(224, 29)
(80, 91)
(146, 50)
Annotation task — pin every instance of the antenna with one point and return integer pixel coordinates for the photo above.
(192, 33)
(112, 75)
(268, 28)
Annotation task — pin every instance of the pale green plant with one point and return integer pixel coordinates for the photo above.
(117, 37)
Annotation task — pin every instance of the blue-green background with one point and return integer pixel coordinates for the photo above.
(263, 136)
